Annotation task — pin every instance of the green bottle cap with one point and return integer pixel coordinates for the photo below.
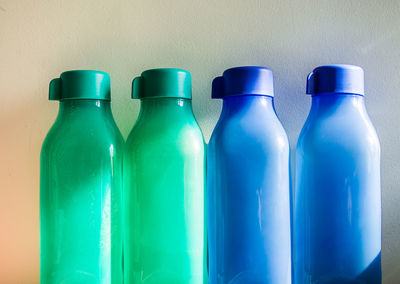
(81, 84)
(162, 83)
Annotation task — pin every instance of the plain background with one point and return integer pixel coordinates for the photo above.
(41, 39)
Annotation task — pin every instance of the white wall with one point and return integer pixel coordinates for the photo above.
(41, 38)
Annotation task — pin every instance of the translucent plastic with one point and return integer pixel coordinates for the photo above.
(338, 194)
(248, 195)
(164, 193)
(80, 196)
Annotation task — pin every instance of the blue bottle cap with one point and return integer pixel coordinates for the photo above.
(337, 78)
(246, 80)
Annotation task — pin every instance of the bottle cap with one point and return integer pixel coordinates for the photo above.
(338, 78)
(246, 80)
(162, 83)
(81, 84)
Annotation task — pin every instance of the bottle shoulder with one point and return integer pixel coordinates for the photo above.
(83, 135)
(173, 135)
(353, 132)
(240, 131)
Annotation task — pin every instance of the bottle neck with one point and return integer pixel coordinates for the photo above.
(242, 104)
(76, 108)
(166, 108)
(334, 103)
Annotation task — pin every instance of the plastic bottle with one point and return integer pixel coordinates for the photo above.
(338, 194)
(81, 184)
(248, 183)
(164, 178)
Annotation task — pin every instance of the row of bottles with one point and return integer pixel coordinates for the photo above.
(142, 211)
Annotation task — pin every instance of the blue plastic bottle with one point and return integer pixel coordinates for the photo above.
(338, 193)
(248, 183)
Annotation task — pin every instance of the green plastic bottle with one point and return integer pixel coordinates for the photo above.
(164, 184)
(81, 185)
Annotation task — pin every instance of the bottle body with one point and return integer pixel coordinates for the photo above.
(248, 194)
(80, 196)
(337, 195)
(164, 193)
